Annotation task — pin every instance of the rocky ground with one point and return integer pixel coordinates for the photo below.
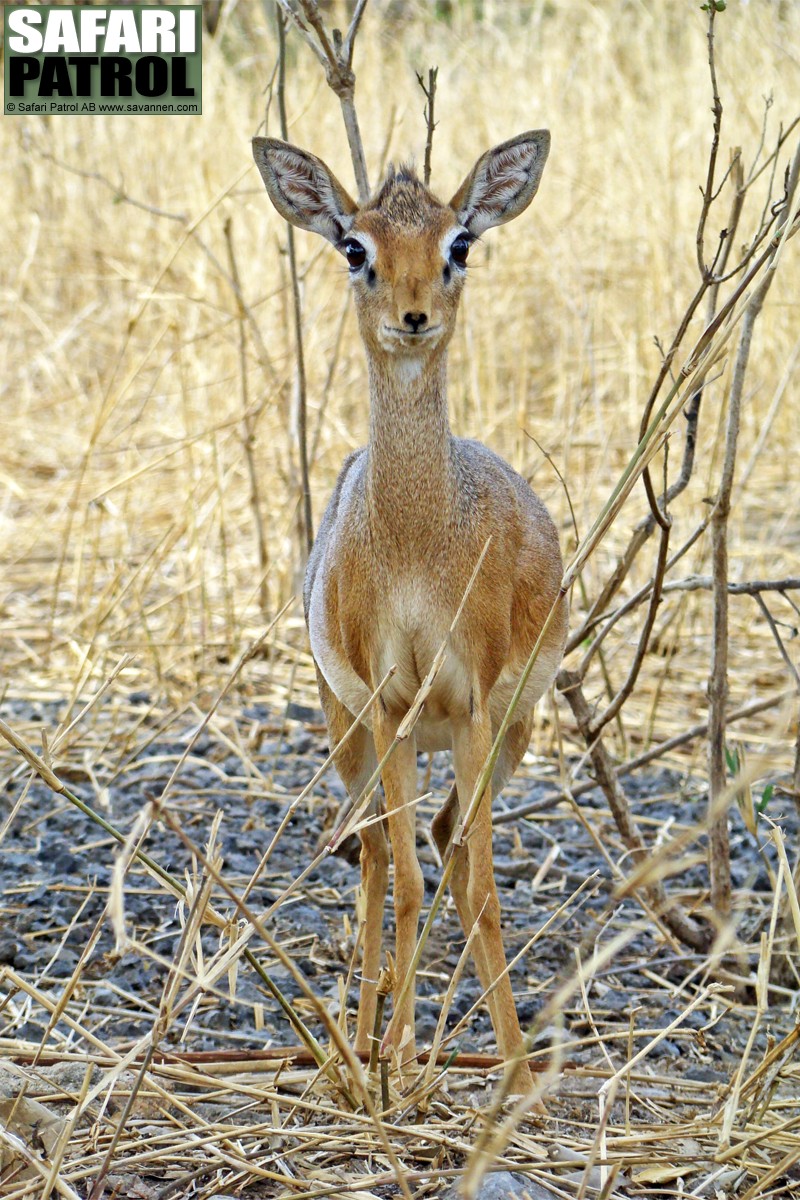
(56, 869)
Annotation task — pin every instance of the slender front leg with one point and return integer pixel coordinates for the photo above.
(374, 879)
(472, 741)
(356, 763)
(400, 788)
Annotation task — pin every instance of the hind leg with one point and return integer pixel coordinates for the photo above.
(488, 960)
(444, 823)
(516, 742)
(443, 827)
(356, 763)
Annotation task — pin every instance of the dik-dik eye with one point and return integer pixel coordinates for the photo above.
(355, 253)
(459, 251)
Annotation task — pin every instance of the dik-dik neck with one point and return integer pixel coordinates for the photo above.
(410, 478)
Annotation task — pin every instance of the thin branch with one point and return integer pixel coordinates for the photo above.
(645, 528)
(328, 56)
(762, 232)
(753, 587)
(784, 653)
(336, 56)
(545, 803)
(708, 281)
(644, 639)
(642, 531)
(719, 849)
(546, 454)
(647, 525)
(716, 108)
(120, 195)
(307, 534)
(762, 141)
(430, 99)
(636, 599)
(766, 423)
(735, 155)
(352, 32)
(249, 419)
(783, 137)
(736, 171)
(669, 912)
(302, 29)
(711, 282)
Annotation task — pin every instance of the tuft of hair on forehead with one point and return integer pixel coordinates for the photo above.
(403, 198)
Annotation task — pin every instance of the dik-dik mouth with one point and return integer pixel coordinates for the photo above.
(392, 337)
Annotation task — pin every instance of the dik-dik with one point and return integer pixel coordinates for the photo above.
(408, 520)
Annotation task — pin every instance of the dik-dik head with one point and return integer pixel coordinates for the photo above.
(407, 252)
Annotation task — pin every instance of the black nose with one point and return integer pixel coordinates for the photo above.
(416, 320)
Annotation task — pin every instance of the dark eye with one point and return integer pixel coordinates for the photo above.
(459, 251)
(355, 253)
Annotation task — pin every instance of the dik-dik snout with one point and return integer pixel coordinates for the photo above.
(413, 301)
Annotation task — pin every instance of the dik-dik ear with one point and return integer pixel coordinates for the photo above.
(503, 182)
(303, 190)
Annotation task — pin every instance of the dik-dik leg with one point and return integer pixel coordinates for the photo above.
(400, 791)
(443, 828)
(473, 883)
(356, 763)
(444, 825)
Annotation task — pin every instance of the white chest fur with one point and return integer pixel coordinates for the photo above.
(408, 635)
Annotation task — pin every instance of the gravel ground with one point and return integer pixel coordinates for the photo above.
(56, 866)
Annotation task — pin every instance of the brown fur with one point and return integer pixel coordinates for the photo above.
(408, 520)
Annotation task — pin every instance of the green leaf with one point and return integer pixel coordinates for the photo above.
(732, 759)
(766, 796)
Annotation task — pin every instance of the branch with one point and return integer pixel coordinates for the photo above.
(669, 912)
(768, 617)
(644, 639)
(710, 282)
(647, 525)
(637, 598)
(696, 583)
(350, 38)
(782, 138)
(545, 803)
(716, 108)
(718, 842)
(336, 56)
(430, 97)
(302, 29)
(307, 533)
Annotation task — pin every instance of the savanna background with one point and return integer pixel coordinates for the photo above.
(151, 531)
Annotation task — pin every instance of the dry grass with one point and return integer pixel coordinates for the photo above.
(128, 524)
